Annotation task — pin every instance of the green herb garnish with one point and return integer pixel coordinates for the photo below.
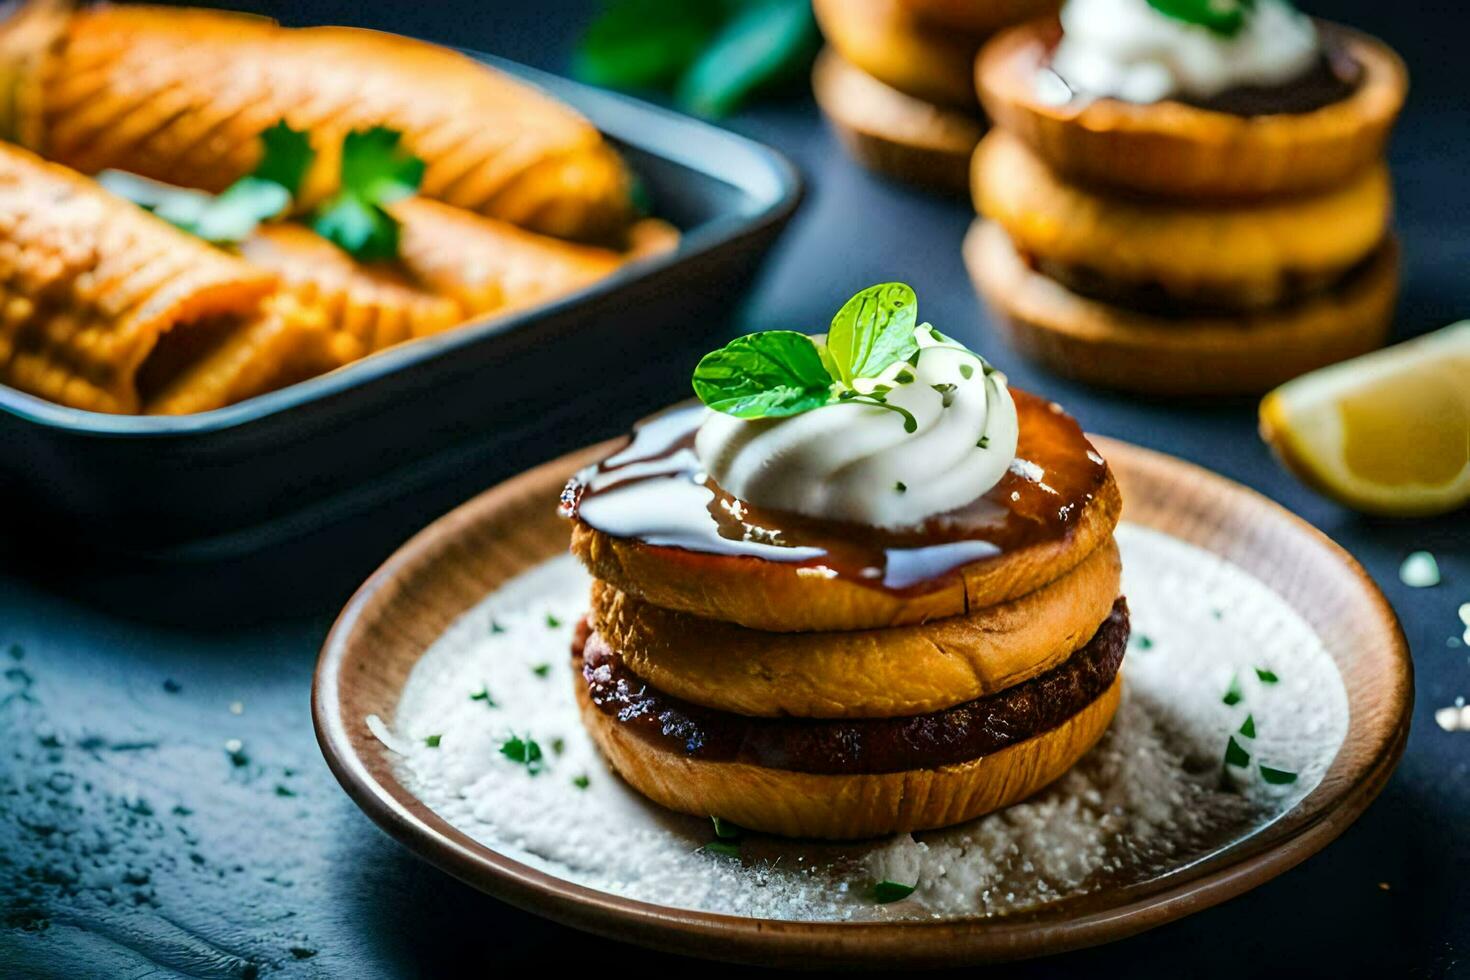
(582, 781)
(1223, 17)
(1145, 642)
(885, 892)
(432, 741)
(376, 171)
(524, 751)
(726, 830)
(495, 627)
(1277, 777)
(232, 215)
(779, 373)
(712, 55)
(283, 790)
(723, 848)
(1233, 694)
(901, 487)
(1266, 676)
(1235, 755)
(541, 670)
(558, 745)
(1248, 727)
(552, 622)
(483, 694)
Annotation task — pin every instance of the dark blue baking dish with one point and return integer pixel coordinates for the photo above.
(255, 474)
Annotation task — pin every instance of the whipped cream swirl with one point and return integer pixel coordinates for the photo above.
(1126, 49)
(852, 462)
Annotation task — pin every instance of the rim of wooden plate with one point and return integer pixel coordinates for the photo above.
(453, 563)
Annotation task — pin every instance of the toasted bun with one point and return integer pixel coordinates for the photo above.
(1246, 256)
(1176, 150)
(1207, 355)
(907, 670)
(883, 39)
(795, 804)
(781, 597)
(892, 133)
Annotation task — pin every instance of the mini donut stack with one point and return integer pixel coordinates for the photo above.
(1170, 249)
(805, 704)
(896, 81)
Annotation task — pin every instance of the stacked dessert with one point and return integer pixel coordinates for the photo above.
(863, 589)
(896, 80)
(1186, 196)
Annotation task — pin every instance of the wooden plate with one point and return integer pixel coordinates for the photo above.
(452, 564)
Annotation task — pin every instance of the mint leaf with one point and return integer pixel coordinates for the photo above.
(766, 41)
(885, 892)
(285, 157)
(873, 330)
(1223, 17)
(645, 43)
(771, 374)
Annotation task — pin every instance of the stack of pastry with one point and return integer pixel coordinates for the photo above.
(843, 676)
(1195, 212)
(108, 308)
(896, 80)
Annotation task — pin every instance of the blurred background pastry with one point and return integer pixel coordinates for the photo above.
(1186, 202)
(896, 80)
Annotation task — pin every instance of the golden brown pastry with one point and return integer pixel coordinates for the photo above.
(848, 806)
(884, 39)
(105, 307)
(1242, 257)
(1174, 149)
(182, 95)
(1200, 354)
(902, 670)
(893, 133)
(977, 18)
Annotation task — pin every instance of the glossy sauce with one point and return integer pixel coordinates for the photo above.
(654, 491)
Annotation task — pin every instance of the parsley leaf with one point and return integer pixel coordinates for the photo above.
(885, 892)
(1277, 777)
(524, 751)
(771, 374)
(873, 330)
(723, 848)
(232, 215)
(375, 172)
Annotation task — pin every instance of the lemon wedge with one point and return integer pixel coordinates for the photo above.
(1385, 433)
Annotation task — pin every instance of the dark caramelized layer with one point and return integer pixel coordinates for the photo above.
(1333, 77)
(1154, 299)
(653, 492)
(851, 746)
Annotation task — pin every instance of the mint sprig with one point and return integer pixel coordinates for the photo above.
(232, 215)
(1224, 17)
(376, 171)
(779, 373)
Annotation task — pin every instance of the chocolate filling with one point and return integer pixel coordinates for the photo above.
(850, 746)
(1333, 77)
(1154, 299)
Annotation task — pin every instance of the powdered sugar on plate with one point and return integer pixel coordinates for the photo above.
(1215, 656)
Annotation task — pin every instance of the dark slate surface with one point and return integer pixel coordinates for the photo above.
(137, 839)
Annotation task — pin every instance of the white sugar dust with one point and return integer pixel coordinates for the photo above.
(1215, 655)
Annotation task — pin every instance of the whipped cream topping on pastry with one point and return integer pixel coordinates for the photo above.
(1130, 50)
(867, 464)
